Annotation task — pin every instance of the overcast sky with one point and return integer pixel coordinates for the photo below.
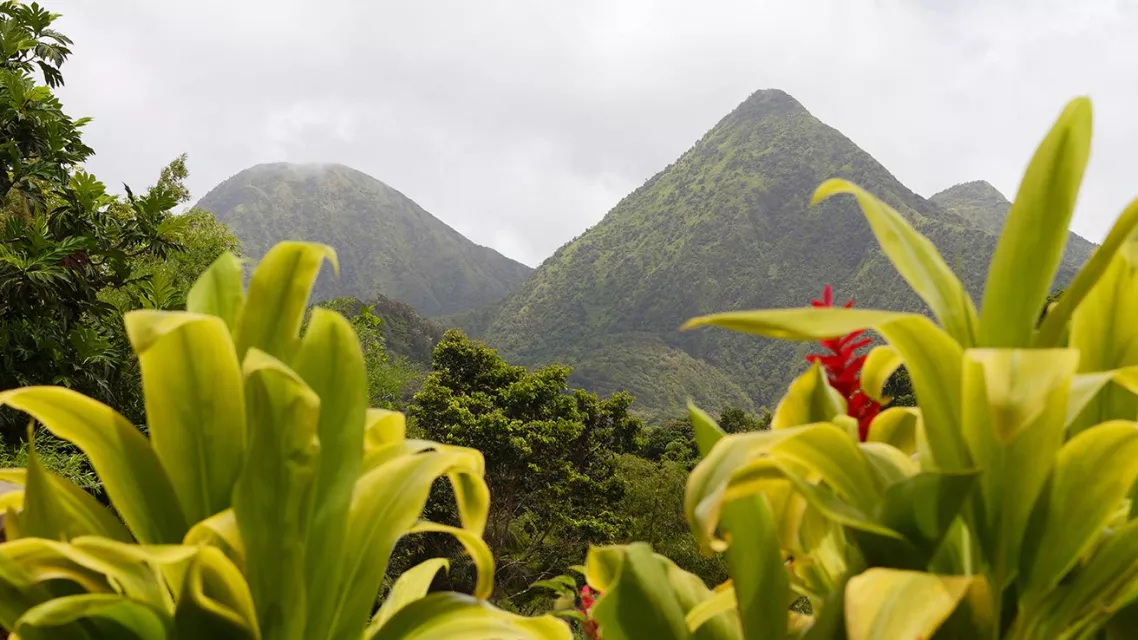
(521, 123)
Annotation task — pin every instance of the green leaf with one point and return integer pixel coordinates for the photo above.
(383, 427)
(879, 365)
(756, 567)
(386, 504)
(1051, 331)
(916, 259)
(458, 617)
(110, 614)
(637, 600)
(220, 530)
(707, 431)
(897, 427)
(134, 478)
(273, 496)
(18, 591)
(331, 363)
(215, 601)
(195, 406)
(888, 603)
(56, 509)
(806, 323)
(1015, 404)
(476, 548)
(412, 585)
(1093, 472)
(219, 291)
(923, 507)
(1031, 245)
(809, 399)
(278, 296)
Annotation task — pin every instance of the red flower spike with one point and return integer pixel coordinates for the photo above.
(843, 368)
(588, 598)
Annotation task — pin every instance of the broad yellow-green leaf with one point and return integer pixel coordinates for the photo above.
(723, 601)
(221, 531)
(756, 567)
(102, 616)
(704, 493)
(637, 600)
(916, 259)
(923, 508)
(1035, 232)
(278, 296)
(879, 365)
(1093, 472)
(890, 603)
(219, 291)
(273, 496)
(195, 406)
(753, 554)
(331, 363)
(56, 509)
(130, 471)
(1104, 332)
(215, 601)
(898, 427)
(1089, 598)
(383, 427)
(386, 504)
(476, 548)
(412, 585)
(889, 464)
(1053, 326)
(809, 399)
(706, 430)
(1015, 408)
(933, 360)
(805, 323)
(19, 591)
(691, 591)
(458, 617)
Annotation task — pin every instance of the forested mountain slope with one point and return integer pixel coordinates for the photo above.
(727, 226)
(387, 244)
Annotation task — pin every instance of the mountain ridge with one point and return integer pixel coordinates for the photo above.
(726, 226)
(388, 245)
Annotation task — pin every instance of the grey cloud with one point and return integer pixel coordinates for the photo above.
(522, 123)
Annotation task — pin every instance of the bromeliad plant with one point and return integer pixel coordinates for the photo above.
(265, 502)
(1000, 507)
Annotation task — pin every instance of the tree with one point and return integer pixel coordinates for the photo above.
(551, 455)
(63, 238)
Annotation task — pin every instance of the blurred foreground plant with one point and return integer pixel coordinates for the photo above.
(265, 502)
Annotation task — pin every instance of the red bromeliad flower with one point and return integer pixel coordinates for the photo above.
(588, 597)
(843, 369)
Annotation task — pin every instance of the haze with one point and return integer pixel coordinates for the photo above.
(521, 124)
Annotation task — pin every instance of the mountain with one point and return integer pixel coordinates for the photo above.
(987, 208)
(387, 244)
(406, 333)
(727, 226)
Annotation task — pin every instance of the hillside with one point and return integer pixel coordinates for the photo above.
(387, 244)
(987, 208)
(727, 226)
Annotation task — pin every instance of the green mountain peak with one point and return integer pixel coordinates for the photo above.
(977, 201)
(387, 244)
(727, 226)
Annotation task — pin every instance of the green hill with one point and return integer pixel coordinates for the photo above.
(727, 226)
(387, 244)
(987, 208)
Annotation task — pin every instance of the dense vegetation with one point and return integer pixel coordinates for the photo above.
(387, 244)
(73, 257)
(727, 226)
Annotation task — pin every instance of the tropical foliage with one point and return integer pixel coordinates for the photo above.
(1001, 506)
(265, 501)
(71, 254)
